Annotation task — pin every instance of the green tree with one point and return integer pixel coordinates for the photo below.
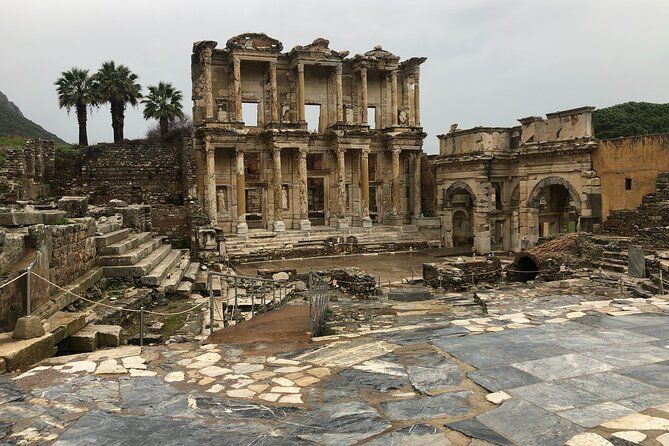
(164, 104)
(75, 90)
(116, 84)
(631, 119)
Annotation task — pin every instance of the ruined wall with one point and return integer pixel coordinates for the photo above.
(173, 222)
(637, 158)
(478, 139)
(559, 126)
(138, 171)
(71, 250)
(25, 170)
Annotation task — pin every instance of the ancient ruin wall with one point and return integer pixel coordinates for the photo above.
(138, 171)
(71, 249)
(637, 158)
(24, 170)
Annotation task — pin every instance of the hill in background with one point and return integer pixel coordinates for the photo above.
(13, 123)
(631, 119)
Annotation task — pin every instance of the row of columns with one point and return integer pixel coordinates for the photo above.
(210, 202)
(273, 97)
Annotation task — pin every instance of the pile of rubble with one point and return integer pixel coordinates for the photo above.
(458, 275)
(354, 281)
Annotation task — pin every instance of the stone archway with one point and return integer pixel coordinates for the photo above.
(460, 206)
(463, 233)
(555, 206)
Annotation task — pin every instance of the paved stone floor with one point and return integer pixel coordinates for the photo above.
(545, 365)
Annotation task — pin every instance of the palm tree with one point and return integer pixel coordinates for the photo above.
(164, 104)
(75, 90)
(116, 84)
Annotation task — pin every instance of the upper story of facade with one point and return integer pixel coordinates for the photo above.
(252, 84)
(534, 133)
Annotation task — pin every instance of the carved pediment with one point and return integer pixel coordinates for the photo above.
(319, 46)
(202, 44)
(378, 53)
(254, 42)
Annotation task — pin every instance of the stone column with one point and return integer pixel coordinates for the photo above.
(237, 89)
(305, 224)
(210, 181)
(363, 95)
(364, 187)
(341, 189)
(273, 101)
(417, 208)
(340, 94)
(242, 227)
(208, 96)
(393, 97)
(409, 98)
(300, 92)
(416, 96)
(396, 181)
(279, 226)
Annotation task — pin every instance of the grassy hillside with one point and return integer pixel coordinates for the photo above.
(13, 123)
(631, 119)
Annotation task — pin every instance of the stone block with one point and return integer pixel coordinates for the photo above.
(19, 354)
(636, 262)
(242, 228)
(28, 327)
(366, 222)
(85, 340)
(108, 335)
(21, 218)
(53, 217)
(74, 206)
(279, 226)
(305, 225)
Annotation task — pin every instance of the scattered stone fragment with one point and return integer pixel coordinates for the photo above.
(588, 439)
(110, 367)
(138, 372)
(291, 399)
(283, 382)
(263, 374)
(258, 388)
(633, 436)
(245, 367)
(638, 422)
(175, 377)
(241, 393)
(498, 397)
(213, 371)
(306, 381)
(281, 389)
(663, 439)
(210, 357)
(271, 397)
(206, 381)
(79, 366)
(215, 388)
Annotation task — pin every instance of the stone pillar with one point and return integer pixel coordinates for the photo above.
(237, 89)
(393, 97)
(416, 96)
(242, 227)
(396, 181)
(340, 94)
(417, 208)
(363, 95)
(305, 224)
(411, 115)
(210, 182)
(341, 189)
(364, 187)
(279, 226)
(208, 95)
(300, 92)
(273, 101)
(481, 227)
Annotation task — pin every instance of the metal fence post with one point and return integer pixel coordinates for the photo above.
(28, 290)
(253, 302)
(141, 326)
(211, 304)
(661, 282)
(234, 308)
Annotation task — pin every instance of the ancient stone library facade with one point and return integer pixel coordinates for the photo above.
(287, 140)
(504, 188)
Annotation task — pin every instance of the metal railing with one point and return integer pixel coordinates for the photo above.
(257, 288)
(319, 299)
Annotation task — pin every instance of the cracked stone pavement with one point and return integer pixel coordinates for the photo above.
(571, 369)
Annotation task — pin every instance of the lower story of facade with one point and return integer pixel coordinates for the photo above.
(296, 180)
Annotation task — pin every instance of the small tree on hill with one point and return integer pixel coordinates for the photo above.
(75, 90)
(164, 104)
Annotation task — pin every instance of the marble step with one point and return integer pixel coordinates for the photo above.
(102, 241)
(133, 256)
(184, 289)
(192, 271)
(170, 283)
(63, 298)
(140, 268)
(161, 270)
(125, 245)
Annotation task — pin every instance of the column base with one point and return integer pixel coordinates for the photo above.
(28, 327)
(342, 223)
(242, 228)
(305, 225)
(393, 220)
(366, 222)
(279, 226)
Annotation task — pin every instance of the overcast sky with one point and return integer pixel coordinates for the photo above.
(490, 62)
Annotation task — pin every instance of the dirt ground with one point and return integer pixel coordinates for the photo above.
(280, 330)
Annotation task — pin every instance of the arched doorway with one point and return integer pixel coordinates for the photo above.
(558, 206)
(460, 201)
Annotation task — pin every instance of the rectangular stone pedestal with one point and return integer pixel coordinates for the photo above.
(393, 220)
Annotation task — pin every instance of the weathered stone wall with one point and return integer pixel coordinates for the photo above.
(173, 222)
(138, 171)
(71, 249)
(25, 170)
(638, 159)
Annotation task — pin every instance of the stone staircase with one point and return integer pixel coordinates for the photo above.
(145, 258)
(259, 245)
(614, 254)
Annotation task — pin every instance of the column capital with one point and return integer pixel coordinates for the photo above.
(340, 150)
(300, 67)
(338, 70)
(272, 64)
(416, 74)
(364, 151)
(236, 61)
(302, 151)
(276, 151)
(396, 150)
